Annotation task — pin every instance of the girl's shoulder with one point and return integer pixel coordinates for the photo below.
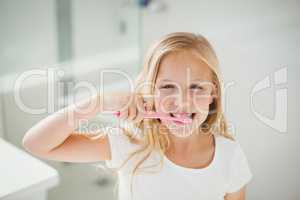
(228, 147)
(123, 141)
(234, 163)
(224, 140)
(123, 136)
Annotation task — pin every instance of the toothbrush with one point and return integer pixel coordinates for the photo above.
(183, 120)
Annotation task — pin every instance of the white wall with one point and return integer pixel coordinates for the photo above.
(28, 34)
(1, 119)
(96, 26)
(28, 40)
(100, 42)
(253, 39)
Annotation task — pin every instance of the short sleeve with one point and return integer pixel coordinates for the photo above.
(240, 173)
(120, 147)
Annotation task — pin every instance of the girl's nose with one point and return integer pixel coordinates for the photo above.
(183, 103)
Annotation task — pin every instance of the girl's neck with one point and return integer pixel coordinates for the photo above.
(192, 144)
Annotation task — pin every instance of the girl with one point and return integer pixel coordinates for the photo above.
(158, 158)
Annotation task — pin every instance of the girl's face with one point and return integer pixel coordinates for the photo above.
(183, 88)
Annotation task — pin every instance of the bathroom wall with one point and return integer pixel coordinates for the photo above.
(100, 26)
(28, 35)
(28, 41)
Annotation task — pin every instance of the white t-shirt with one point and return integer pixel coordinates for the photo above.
(228, 172)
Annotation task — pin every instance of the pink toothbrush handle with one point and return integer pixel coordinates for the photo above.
(117, 114)
(157, 115)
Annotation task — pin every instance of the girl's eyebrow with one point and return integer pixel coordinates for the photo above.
(198, 79)
(165, 80)
(193, 82)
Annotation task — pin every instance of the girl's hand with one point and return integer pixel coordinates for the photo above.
(133, 107)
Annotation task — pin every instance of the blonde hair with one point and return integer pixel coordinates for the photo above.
(151, 128)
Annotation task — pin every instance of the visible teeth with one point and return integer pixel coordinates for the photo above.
(186, 115)
(189, 115)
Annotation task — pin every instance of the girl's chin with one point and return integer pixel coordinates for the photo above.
(183, 130)
(182, 133)
(174, 124)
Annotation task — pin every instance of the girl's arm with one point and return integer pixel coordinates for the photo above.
(239, 195)
(55, 138)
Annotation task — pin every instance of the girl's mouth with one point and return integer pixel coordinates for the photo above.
(187, 115)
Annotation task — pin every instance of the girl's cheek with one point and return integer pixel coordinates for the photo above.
(201, 103)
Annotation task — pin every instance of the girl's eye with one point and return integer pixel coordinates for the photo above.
(194, 86)
(168, 86)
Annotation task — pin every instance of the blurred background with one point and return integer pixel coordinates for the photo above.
(257, 43)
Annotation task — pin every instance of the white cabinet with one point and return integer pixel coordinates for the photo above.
(23, 176)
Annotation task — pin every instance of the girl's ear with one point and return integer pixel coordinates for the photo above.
(211, 99)
(213, 93)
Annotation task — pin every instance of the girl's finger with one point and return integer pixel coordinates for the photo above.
(139, 117)
(140, 105)
(123, 114)
(140, 110)
(147, 107)
(132, 112)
